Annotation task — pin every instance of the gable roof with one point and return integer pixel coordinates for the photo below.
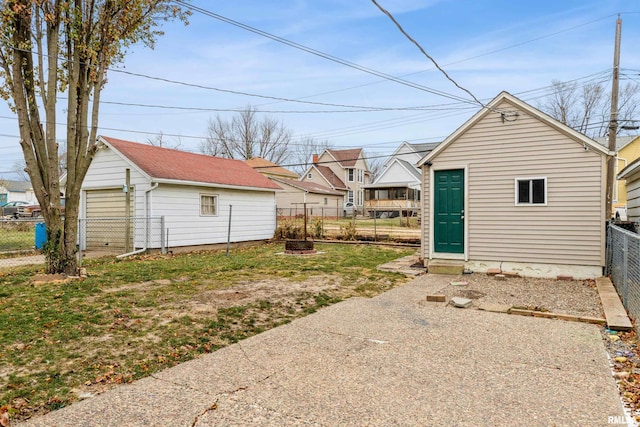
(266, 167)
(346, 158)
(309, 187)
(532, 111)
(16, 186)
(329, 176)
(163, 164)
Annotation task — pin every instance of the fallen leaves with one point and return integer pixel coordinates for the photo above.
(625, 358)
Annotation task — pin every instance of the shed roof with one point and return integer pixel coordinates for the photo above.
(174, 165)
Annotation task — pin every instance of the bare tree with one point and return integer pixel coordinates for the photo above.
(160, 141)
(376, 164)
(586, 108)
(245, 137)
(52, 46)
(303, 153)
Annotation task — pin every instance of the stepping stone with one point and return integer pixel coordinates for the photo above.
(461, 302)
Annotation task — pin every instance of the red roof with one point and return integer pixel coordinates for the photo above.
(346, 158)
(164, 163)
(331, 177)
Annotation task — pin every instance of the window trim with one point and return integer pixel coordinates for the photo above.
(216, 207)
(531, 179)
(309, 175)
(351, 175)
(350, 197)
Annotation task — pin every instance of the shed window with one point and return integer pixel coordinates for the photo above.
(531, 191)
(208, 205)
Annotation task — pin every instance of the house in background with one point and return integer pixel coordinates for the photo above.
(194, 193)
(346, 171)
(17, 191)
(321, 200)
(398, 185)
(630, 175)
(627, 151)
(515, 189)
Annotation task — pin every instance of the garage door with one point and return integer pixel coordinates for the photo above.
(107, 227)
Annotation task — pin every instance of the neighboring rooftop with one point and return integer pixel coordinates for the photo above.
(331, 177)
(309, 187)
(16, 186)
(621, 141)
(346, 158)
(266, 167)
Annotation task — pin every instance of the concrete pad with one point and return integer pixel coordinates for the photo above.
(389, 360)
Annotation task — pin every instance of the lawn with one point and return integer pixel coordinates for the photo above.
(16, 236)
(63, 341)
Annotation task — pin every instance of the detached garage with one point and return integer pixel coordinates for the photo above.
(136, 196)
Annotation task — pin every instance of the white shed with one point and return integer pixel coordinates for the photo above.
(194, 193)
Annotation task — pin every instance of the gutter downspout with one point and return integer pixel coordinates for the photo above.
(148, 211)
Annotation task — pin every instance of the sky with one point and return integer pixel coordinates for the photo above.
(485, 46)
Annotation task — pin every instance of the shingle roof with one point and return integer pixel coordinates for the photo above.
(621, 141)
(424, 149)
(346, 158)
(164, 163)
(266, 167)
(331, 177)
(310, 187)
(17, 186)
(412, 169)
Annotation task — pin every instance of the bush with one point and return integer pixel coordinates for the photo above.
(289, 230)
(349, 231)
(317, 228)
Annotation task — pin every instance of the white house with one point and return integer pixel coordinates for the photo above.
(194, 193)
(17, 191)
(398, 185)
(515, 189)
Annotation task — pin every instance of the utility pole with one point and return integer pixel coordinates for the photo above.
(613, 122)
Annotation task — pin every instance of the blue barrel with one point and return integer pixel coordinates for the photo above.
(41, 235)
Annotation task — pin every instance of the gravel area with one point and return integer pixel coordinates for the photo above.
(575, 297)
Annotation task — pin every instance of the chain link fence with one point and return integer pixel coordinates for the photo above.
(97, 236)
(623, 265)
(18, 243)
(392, 224)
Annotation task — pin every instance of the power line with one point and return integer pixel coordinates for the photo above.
(424, 52)
(319, 53)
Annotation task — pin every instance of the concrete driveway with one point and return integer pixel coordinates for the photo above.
(390, 360)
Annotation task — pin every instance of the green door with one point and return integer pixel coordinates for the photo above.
(448, 206)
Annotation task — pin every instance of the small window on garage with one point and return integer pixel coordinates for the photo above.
(531, 191)
(208, 205)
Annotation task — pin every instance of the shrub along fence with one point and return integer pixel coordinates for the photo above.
(332, 223)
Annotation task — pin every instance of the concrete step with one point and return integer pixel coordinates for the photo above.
(445, 266)
(614, 311)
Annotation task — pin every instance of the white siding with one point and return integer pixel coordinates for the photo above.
(253, 211)
(253, 216)
(633, 197)
(397, 173)
(568, 230)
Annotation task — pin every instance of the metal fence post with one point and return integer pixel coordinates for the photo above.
(163, 243)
